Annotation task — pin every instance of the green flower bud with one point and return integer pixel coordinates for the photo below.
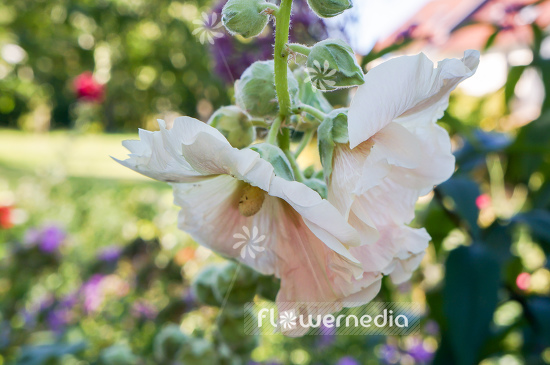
(203, 286)
(331, 64)
(117, 355)
(255, 91)
(245, 17)
(276, 157)
(329, 8)
(235, 125)
(169, 344)
(243, 288)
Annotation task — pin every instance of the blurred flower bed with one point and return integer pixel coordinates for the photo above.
(94, 271)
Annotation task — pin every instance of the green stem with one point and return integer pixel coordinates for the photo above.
(281, 57)
(274, 131)
(259, 123)
(311, 110)
(295, 168)
(299, 48)
(306, 139)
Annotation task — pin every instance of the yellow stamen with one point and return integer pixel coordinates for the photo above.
(251, 201)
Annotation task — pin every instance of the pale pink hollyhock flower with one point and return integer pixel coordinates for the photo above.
(227, 194)
(396, 153)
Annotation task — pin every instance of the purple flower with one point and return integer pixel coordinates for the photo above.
(48, 238)
(327, 336)
(431, 328)
(389, 354)
(144, 310)
(58, 318)
(51, 238)
(419, 353)
(347, 360)
(93, 293)
(109, 254)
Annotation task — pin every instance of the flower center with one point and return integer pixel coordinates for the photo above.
(251, 200)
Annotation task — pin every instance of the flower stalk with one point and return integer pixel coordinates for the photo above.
(281, 57)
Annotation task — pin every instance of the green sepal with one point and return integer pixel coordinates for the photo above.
(334, 129)
(276, 157)
(317, 185)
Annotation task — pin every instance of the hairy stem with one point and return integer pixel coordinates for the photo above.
(274, 131)
(299, 48)
(281, 57)
(295, 168)
(311, 110)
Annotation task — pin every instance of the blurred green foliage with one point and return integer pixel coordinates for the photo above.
(143, 51)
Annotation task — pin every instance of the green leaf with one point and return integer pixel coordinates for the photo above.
(463, 192)
(538, 221)
(539, 307)
(470, 297)
(513, 77)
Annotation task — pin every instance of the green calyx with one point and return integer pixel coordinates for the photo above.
(235, 125)
(255, 90)
(332, 65)
(329, 8)
(245, 17)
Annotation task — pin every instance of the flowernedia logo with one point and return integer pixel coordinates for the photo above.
(376, 318)
(207, 28)
(249, 242)
(321, 77)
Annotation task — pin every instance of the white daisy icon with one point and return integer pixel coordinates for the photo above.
(287, 319)
(249, 242)
(321, 77)
(207, 28)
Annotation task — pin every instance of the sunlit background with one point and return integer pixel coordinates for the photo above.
(93, 269)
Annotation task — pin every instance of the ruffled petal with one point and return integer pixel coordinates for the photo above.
(150, 157)
(406, 87)
(398, 251)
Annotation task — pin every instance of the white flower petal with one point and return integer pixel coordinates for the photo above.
(406, 87)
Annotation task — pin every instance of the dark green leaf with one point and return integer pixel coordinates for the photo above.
(470, 298)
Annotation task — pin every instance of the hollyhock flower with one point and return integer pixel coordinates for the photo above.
(228, 195)
(87, 88)
(5, 217)
(396, 153)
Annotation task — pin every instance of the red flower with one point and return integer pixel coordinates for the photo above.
(5, 218)
(88, 88)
